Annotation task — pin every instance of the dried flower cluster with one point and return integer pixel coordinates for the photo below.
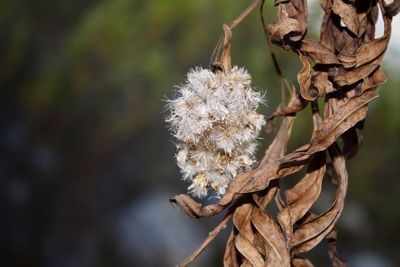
(215, 121)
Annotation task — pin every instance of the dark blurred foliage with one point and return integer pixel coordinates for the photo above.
(87, 164)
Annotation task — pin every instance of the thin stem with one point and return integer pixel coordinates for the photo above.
(272, 54)
(244, 14)
(282, 80)
(211, 236)
(217, 50)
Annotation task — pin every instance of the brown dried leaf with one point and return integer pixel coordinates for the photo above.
(249, 251)
(269, 166)
(241, 220)
(262, 199)
(285, 31)
(342, 78)
(369, 51)
(278, 146)
(230, 255)
(309, 234)
(296, 9)
(266, 173)
(343, 119)
(302, 196)
(270, 231)
(315, 171)
(348, 14)
(317, 52)
(375, 79)
(291, 25)
(321, 82)
(246, 212)
(304, 79)
(195, 209)
(297, 104)
(333, 36)
(332, 127)
(369, 24)
(327, 25)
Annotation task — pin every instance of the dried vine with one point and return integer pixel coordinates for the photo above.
(342, 68)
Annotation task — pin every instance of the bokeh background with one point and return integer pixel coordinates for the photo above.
(87, 164)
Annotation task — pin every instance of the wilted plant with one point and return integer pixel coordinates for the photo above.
(215, 123)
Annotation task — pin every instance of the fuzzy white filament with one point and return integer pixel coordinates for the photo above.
(215, 121)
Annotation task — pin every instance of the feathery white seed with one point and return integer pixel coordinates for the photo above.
(215, 121)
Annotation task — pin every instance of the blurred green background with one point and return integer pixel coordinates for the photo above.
(87, 165)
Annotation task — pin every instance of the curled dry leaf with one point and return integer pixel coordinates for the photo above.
(276, 246)
(285, 31)
(317, 52)
(348, 14)
(309, 234)
(297, 104)
(343, 119)
(343, 69)
(291, 25)
(302, 196)
(248, 251)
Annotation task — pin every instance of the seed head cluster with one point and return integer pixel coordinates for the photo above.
(216, 125)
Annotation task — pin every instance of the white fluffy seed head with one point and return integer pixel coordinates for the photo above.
(215, 121)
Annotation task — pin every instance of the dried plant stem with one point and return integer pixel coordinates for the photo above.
(211, 236)
(244, 14)
(220, 44)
